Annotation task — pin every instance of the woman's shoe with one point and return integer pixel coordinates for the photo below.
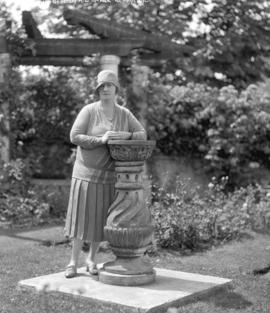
(71, 271)
(91, 267)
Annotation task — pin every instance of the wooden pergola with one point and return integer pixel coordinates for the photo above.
(114, 40)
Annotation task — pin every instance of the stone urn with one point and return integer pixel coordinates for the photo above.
(129, 226)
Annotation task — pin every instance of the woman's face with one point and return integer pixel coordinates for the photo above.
(107, 91)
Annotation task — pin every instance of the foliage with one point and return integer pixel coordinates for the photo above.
(42, 114)
(188, 220)
(17, 200)
(14, 34)
(21, 202)
(56, 195)
(234, 47)
(229, 39)
(230, 130)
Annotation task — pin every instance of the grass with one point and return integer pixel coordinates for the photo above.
(24, 255)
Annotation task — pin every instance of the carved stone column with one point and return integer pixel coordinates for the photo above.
(110, 62)
(129, 226)
(4, 108)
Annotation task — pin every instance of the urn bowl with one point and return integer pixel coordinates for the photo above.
(131, 150)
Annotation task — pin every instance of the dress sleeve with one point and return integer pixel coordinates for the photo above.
(136, 128)
(79, 130)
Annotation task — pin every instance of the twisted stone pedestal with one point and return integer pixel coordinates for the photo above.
(129, 227)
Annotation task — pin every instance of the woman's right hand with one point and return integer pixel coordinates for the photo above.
(105, 137)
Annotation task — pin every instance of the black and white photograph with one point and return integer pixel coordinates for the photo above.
(135, 156)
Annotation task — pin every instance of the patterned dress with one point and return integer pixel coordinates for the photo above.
(93, 176)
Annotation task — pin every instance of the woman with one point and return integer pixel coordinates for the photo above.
(93, 177)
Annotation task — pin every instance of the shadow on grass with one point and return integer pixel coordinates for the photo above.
(20, 234)
(229, 300)
(203, 246)
(261, 271)
(245, 235)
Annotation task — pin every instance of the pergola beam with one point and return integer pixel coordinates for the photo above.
(108, 29)
(117, 40)
(30, 25)
(103, 28)
(81, 62)
(54, 61)
(81, 47)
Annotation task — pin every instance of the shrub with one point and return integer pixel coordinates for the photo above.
(17, 200)
(56, 196)
(230, 130)
(21, 202)
(41, 121)
(188, 220)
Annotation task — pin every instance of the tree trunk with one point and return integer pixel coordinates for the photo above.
(4, 106)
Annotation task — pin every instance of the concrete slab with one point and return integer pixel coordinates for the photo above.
(171, 288)
(267, 276)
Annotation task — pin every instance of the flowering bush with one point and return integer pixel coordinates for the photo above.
(188, 220)
(229, 130)
(20, 201)
(17, 200)
(41, 120)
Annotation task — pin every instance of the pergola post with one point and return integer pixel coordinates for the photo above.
(5, 63)
(140, 75)
(110, 62)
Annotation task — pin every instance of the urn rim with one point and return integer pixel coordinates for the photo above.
(132, 142)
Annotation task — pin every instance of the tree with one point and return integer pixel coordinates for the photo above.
(238, 43)
(231, 39)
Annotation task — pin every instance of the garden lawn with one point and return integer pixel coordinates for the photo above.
(23, 255)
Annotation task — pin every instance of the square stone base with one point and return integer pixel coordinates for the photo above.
(171, 289)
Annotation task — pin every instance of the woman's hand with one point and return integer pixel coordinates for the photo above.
(106, 137)
(115, 135)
